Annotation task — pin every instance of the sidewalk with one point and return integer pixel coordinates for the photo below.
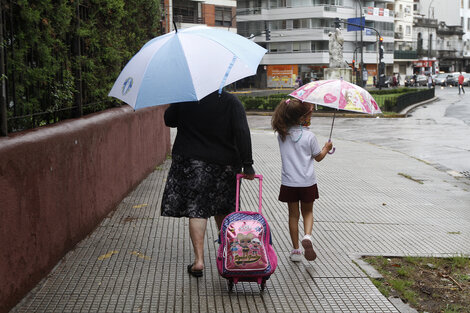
(135, 261)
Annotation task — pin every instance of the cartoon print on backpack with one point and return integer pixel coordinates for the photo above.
(244, 242)
(255, 246)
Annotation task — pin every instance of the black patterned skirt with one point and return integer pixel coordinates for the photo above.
(199, 189)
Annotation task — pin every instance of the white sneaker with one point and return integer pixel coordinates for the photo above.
(307, 243)
(296, 255)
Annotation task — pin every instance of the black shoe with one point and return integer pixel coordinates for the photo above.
(195, 273)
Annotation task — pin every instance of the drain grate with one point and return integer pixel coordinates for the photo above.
(466, 174)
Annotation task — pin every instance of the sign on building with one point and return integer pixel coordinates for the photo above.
(282, 76)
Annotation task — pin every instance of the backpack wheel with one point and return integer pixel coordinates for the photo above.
(230, 285)
(263, 285)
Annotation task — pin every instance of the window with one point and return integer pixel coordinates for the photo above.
(301, 23)
(223, 16)
(301, 46)
(468, 24)
(277, 25)
(280, 47)
(408, 30)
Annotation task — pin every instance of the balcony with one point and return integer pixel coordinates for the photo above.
(450, 30)
(188, 19)
(403, 54)
(398, 35)
(448, 54)
(425, 22)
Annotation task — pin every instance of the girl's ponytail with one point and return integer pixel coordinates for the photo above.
(288, 114)
(278, 122)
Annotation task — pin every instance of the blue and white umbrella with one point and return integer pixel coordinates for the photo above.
(186, 65)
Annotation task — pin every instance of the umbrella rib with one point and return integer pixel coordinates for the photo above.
(222, 84)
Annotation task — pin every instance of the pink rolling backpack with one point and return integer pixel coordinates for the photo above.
(246, 252)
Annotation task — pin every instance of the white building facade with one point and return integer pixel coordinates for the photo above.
(438, 35)
(298, 43)
(405, 50)
(465, 22)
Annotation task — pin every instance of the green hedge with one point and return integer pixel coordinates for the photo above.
(262, 103)
(44, 64)
(386, 99)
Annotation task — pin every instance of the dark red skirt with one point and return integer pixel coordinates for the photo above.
(295, 194)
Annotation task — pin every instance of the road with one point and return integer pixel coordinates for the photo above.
(437, 133)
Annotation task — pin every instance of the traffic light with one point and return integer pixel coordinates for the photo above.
(337, 23)
(354, 65)
(268, 34)
(381, 49)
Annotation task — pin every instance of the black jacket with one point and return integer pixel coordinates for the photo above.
(213, 129)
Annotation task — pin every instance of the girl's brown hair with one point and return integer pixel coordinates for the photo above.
(287, 114)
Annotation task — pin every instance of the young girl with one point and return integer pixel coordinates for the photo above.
(299, 147)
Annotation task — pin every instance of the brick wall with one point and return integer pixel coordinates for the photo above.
(58, 182)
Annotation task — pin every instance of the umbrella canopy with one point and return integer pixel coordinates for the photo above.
(337, 94)
(186, 65)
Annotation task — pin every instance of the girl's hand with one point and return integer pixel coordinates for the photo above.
(328, 146)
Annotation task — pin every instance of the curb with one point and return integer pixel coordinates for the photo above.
(410, 108)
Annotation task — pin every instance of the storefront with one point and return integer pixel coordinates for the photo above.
(425, 67)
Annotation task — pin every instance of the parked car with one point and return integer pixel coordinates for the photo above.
(466, 79)
(453, 79)
(422, 80)
(440, 79)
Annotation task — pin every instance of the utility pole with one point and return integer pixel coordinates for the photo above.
(362, 42)
(381, 63)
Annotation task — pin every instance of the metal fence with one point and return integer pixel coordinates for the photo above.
(413, 97)
(27, 105)
(390, 102)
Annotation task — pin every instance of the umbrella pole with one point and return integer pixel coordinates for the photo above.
(333, 123)
(331, 131)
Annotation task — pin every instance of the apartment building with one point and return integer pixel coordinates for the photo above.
(188, 13)
(465, 23)
(404, 55)
(438, 36)
(420, 36)
(298, 43)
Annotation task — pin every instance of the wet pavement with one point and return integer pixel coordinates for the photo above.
(377, 197)
(437, 132)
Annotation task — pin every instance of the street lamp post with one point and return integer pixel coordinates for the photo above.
(429, 36)
(362, 43)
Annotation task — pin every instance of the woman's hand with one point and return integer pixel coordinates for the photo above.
(249, 176)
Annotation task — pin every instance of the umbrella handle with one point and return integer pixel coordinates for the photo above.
(332, 150)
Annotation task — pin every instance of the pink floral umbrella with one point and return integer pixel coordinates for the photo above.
(337, 94)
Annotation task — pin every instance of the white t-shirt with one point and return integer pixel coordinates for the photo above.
(298, 151)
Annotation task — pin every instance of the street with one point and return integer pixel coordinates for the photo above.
(437, 133)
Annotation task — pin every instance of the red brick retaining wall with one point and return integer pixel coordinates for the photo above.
(58, 182)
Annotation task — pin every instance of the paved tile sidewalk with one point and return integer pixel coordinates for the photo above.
(135, 261)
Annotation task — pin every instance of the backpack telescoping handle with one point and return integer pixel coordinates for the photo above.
(239, 177)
